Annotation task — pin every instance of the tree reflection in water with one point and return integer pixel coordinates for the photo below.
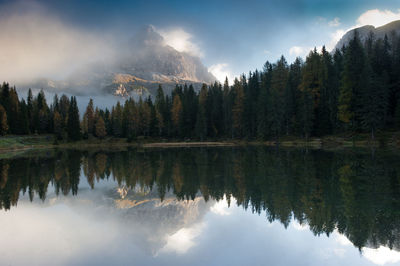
(355, 192)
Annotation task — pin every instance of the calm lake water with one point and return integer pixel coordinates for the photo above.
(200, 206)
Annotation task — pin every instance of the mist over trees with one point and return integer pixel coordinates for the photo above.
(355, 89)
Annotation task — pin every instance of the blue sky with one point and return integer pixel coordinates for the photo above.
(231, 37)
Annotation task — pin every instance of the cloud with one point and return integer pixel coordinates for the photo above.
(299, 227)
(297, 50)
(335, 22)
(221, 71)
(183, 240)
(181, 41)
(341, 239)
(381, 255)
(335, 38)
(302, 50)
(377, 18)
(221, 207)
(36, 44)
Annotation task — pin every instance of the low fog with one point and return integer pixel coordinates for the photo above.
(35, 44)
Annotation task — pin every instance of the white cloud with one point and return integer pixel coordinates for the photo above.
(297, 50)
(377, 18)
(340, 252)
(181, 41)
(221, 71)
(335, 38)
(341, 239)
(183, 240)
(302, 51)
(381, 255)
(334, 23)
(300, 227)
(221, 208)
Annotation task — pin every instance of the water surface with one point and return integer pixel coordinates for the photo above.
(200, 206)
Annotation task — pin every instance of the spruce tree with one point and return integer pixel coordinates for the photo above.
(227, 103)
(238, 108)
(176, 115)
(201, 120)
(100, 128)
(352, 84)
(73, 124)
(3, 121)
(279, 81)
(263, 129)
(89, 117)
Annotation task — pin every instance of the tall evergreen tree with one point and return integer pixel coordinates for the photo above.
(227, 102)
(201, 120)
(352, 84)
(73, 124)
(279, 81)
(3, 121)
(238, 108)
(176, 115)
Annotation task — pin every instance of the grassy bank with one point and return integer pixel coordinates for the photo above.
(23, 143)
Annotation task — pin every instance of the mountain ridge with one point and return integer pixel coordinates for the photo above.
(364, 31)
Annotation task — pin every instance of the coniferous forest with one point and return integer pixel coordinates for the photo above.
(353, 90)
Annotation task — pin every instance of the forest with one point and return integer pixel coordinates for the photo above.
(352, 90)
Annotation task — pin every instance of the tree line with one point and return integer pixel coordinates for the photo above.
(352, 90)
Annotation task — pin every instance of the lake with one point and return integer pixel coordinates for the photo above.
(200, 206)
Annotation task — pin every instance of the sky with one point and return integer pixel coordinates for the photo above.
(230, 37)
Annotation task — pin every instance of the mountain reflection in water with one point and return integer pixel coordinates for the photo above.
(353, 196)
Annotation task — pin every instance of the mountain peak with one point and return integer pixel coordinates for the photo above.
(148, 36)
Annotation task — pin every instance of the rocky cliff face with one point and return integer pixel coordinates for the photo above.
(363, 32)
(138, 68)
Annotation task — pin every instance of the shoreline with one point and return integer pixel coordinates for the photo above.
(10, 144)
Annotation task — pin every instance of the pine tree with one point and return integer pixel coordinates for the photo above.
(310, 88)
(160, 106)
(30, 111)
(116, 117)
(329, 95)
(263, 129)
(279, 81)
(73, 124)
(13, 111)
(374, 102)
(89, 117)
(23, 120)
(201, 120)
(145, 117)
(238, 108)
(3, 121)
(176, 113)
(227, 103)
(41, 113)
(57, 123)
(292, 96)
(100, 128)
(351, 84)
